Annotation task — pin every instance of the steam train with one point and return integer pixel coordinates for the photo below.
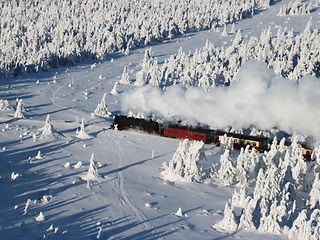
(174, 130)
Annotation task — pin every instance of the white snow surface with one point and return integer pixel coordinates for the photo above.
(133, 177)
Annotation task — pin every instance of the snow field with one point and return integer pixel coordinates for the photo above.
(132, 202)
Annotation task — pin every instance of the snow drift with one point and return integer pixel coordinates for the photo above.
(258, 98)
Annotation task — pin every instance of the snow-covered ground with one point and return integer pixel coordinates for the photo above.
(129, 200)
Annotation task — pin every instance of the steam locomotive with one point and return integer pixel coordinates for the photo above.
(174, 130)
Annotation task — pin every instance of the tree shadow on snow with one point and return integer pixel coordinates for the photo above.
(120, 169)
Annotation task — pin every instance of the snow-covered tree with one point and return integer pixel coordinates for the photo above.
(270, 223)
(227, 172)
(260, 183)
(47, 129)
(40, 217)
(239, 198)
(125, 76)
(272, 184)
(114, 90)
(314, 196)
(246, 218)
(298, 225)
(4, 105)
(187, 163)
(19, 109)
(82, 133)
(228, 222)
(92, 174)
(101, 109)
(224, 32)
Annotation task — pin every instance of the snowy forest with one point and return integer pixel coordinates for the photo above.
(289, 55)
(277, 192)
(38, 35)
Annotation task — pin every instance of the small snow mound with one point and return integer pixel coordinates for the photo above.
(93, 66)
(40, 217)
(148, 205)
(46, 199)
(67, 165)
(203, 212)
(78, 165)
(39, 156)
(179, 213)
(50, 229)
(14, 176)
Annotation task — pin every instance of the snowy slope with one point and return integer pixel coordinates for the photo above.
(131, 176)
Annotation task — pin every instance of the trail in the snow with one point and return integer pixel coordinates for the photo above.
(124, 197)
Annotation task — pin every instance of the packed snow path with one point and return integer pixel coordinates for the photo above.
(132, 202)
(125, 198)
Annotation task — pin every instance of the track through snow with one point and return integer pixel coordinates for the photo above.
(124, 197)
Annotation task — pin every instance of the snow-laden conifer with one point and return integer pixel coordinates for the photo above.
(224, 32)
(19, 110)
(47, 129)
(238, 198)
(227, 172)
(39, 156)
(26, 208)
(82, 133)
(260, 183)
(298, 225)
(314, 196)
(269, 223)
(187, 163)
(125, 76)
(228, 223)
(114, 90)
(102, 108)
(40, 217)
(92, 174)
(246, 218)
(4, 105)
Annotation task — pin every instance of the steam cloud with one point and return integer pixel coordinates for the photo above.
(258, 98)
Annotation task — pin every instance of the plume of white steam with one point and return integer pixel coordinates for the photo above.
(258, 97)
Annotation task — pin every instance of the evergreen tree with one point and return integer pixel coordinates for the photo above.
(18, 113)
(47, 129)
(187, 163)
(92, 174)
(228, 222)
(102, 110)
(314, 196)
(125, 76)
(227, 172)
